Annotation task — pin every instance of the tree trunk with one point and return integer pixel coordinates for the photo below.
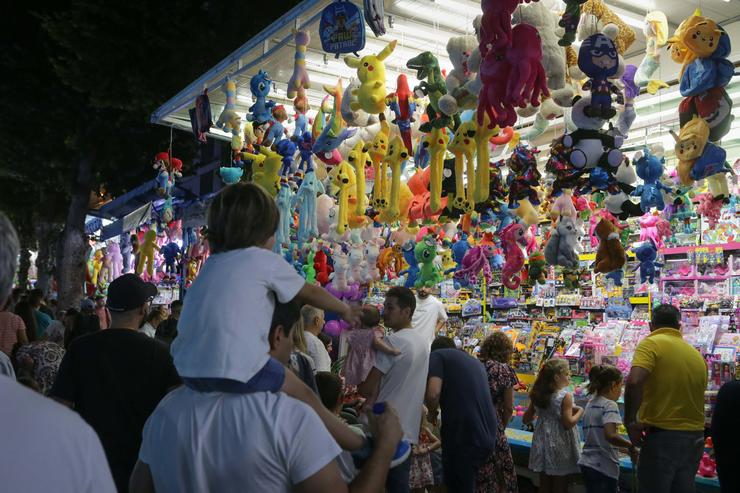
(47, 239)
(23, 266)
(71, 256)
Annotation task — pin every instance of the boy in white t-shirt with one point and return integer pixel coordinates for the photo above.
(222, 343)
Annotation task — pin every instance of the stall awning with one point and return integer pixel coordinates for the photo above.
(127, 223)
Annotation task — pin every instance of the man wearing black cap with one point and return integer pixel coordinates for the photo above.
(116, 377)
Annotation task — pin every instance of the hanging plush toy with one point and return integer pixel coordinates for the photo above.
(146, 253)
(536, 272)
(495, 73)
(276, 132)
(341, 267)
(431, 84)
(377, 152)
(170, 168)
(646, 255)
(483, 134)
(459, 49)
(437, 147)
(476, 261)
(396, 158)
(527, 76)
(596, 15)
(261, 111)
(287, 149)
(561, 247)
(589, 145)
(170, 252)
(495, 30)
(299, 81)
(610, 255)
(403, 106)
(356, 158)
(341, 28)
(344, 181)
(370, 272)
(371, 72)
(229, 120)
(599, 60)
(300, 105)
(412, 272)
(305, 151)
(356, 260)
(513, 238)
(523, 176)
(266, 172)
(322, 267)
(283, 200)
(699, 159)
(425, 252)
(374, 15)
(654, 228)
(569, 21)
(333, 134)
(656, 36)
(650, 169)
(709, 209)
(463, 147)
(201, 120)
(563, 206)
(113, 250)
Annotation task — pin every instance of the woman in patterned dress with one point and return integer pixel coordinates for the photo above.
(498, 474)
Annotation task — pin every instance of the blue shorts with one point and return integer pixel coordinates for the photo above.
(269, 379)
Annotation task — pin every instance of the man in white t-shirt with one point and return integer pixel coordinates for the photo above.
(262, 441)
(430, 315)
(43, 446)
(313, 323)
(400, 380)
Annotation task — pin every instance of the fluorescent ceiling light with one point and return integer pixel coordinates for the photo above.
(629, 17)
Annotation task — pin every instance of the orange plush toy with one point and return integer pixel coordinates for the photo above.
(610, 255)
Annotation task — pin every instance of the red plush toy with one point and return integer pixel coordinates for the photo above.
(323, 269)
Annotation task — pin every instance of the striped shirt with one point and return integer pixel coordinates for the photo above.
(597, 452)
(10, 324)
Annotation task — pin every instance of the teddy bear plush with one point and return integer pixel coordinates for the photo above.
(610, 255)
(561, 248)
(459, 49)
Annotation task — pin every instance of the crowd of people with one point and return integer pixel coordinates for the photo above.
(234, 389)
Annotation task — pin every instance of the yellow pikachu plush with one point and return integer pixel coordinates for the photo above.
(265, 172)
(371, 72)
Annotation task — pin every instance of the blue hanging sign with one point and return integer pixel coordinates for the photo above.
(342, 28)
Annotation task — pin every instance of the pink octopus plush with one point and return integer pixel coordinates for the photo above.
(492, 101)
(495, 31)
(477, 259)
(527, 77)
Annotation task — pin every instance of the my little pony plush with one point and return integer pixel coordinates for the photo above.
(561, 247)
(536, 272)
(261, 111)
(650, 169)
(709, 208)
(477, 260)
(371, 72)
(646, 255)
(610, 255)
(513, 238)
(113, 251)
(412, 273)
(425, 252)
(654, 228)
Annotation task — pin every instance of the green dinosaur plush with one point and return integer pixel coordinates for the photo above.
(425, 253)
(427, 67)
(308, 268)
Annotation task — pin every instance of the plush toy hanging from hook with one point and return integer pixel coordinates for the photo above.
(371, 72)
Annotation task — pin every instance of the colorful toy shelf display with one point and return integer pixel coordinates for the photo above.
(514, 162)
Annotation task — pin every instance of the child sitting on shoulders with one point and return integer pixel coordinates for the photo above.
(601, 420)
(222, 343)
(363, 343)
(555, 444)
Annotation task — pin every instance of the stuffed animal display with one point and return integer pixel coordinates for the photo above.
(610, 256)
(561, 247)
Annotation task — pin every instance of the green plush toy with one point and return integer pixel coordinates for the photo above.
(308, 268)
(536, 272)
(425, 253)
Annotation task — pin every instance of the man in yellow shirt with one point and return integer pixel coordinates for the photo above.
(664, 406)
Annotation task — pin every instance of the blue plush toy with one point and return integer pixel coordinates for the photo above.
(646, 255)
(170, 251)
(305, 149)
(616, 276)
(305, 201)
(704, 74)
(599, 60)
(333, 134)
(283, 200)
(286, 148)
(650, 169)
(261, 111)
(230, 175)
(503, 216)
(412, 273)
(301, 125)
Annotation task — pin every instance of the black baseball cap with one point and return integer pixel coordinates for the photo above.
(129, 292)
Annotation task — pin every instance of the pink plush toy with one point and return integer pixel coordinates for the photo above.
(709, 208)
(563, 205)
(113, 251)
(527, 78)
(513, 237)
(655, 228)
(594, 220)
(495, 30)
(492, 101)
